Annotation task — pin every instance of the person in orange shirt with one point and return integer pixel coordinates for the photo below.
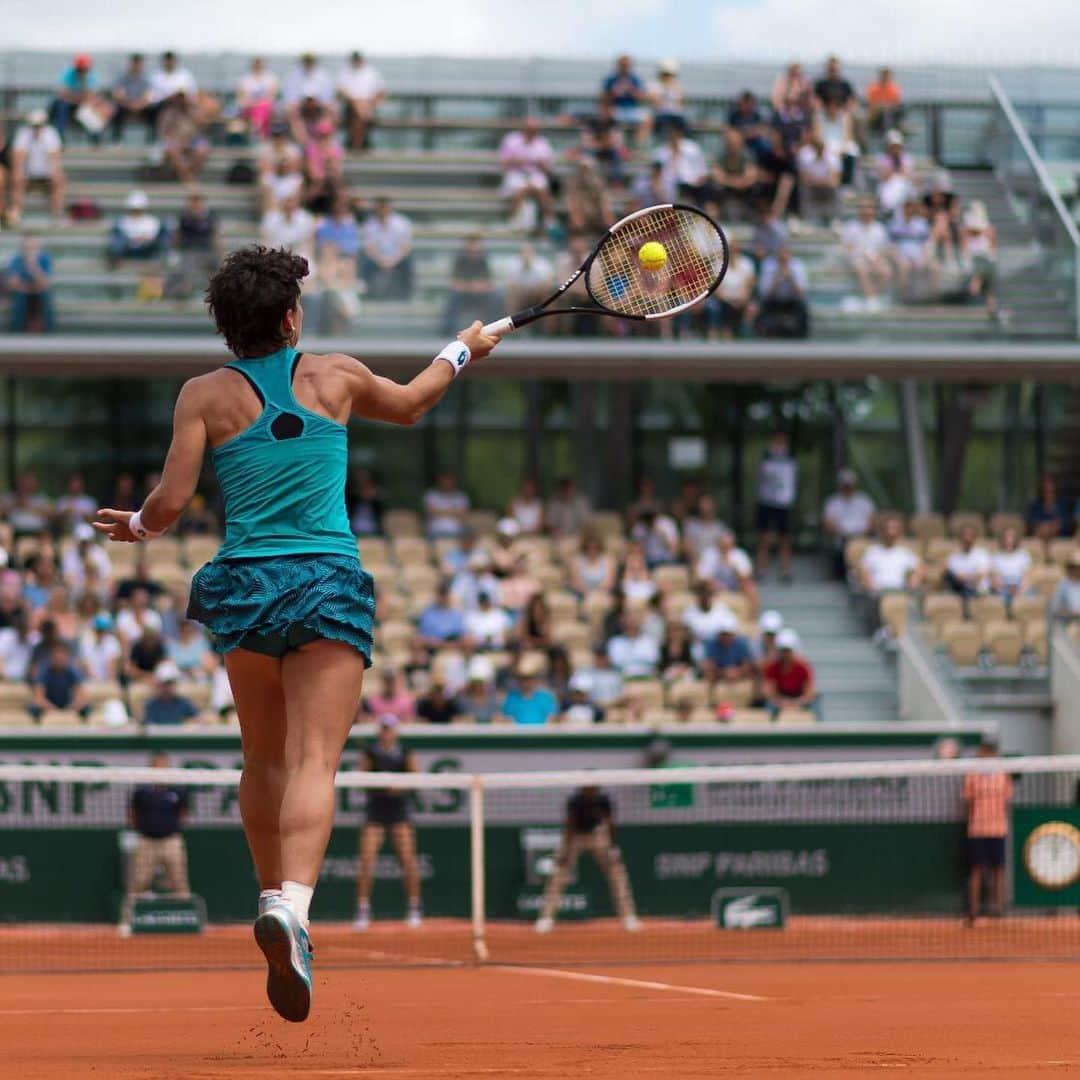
(885, 102)
(987, 797)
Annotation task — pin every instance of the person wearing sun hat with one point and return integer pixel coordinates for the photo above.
(36, 164)
(530, 702)
(789, 679)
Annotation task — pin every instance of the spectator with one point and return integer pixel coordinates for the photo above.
(487, 626)
(79, 99)
(26, 509)
(446, 507)
(592, 568)
(323, 166)
(366, 506)
(895, 174)
(789, 679)
(734, 177)
(256, 97)
(567, 510)
(777, 486)
(472, 294)
(978, 248)
(684, 166)
(145, 655)
(605, 679)
(58, 685)
(534, 626)
(889, 566)
(833, 88)
(362, 90)
(747, 119)
(835, 127)
(967, 571)
(706, 613)
(469, 569)
(437, 706)
(518, 586)
(866, 252)
(1010, 567)
(586, 198)
(391, 698)
(75, 504)
(131, 99)
(668, 100)
(29, 280)
(885, 103)
(579, 707)
(1065, 601)
(290, 227)
(507, 549)
(646, 501)
(440, 622)
(137, 234)
(625, 92)
(658, 535)
(733, 301)
(308, 96)
(819, 181)
(602, 140)
(530, 279)
(943, 212)
(167, 706)
(986, 801)
(478, 703)
(17, 645)
(198, 243)
(729, 567)
(791, 88)
(527, 508)
(653, 187)
(782, 288)
(702, 527)
(530, 702)
(280, 167)
(848, 513)
(764, 647)
(181, 130)
(913, 253)
(768, 238)
(634, 653)
(727, 653)
(635, 582)
(36, 165)
(169, 82)
(387, 258)
(1048, 516)
(190, 651)
(527, 162)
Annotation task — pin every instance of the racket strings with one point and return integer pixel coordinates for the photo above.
(696, 259)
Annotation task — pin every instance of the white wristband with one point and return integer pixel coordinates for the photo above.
(457, 354)
(139, 530)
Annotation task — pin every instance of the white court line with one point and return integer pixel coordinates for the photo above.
(617, 980)
(134, 1010)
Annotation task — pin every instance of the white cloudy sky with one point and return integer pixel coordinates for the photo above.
(960, 31)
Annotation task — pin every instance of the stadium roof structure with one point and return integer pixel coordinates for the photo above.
(146, 357)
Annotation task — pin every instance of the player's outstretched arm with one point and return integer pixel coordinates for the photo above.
(375, 397)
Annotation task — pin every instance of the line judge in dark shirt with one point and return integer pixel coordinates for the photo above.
(157, 813)
(471, 287)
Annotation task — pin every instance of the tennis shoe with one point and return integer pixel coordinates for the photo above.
(287, 948)
(545, 924)
(414, 920)
(631, 924)
(363, 918)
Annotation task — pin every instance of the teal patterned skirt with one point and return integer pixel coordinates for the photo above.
(285, 601)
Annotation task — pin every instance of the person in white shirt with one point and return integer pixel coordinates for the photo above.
(308, 96)
(866, 252)
(1010, 567)
(527, 508)
(76, 504)
(819, 180)
(35, 164)
(17, 644)
(133, 621)
(889, 566)
(169, 82)
(633, 653)
(967, 571)
(704, 617)
(446, 507)
(100, 653)
(568, 509)
(290, 227)
(362, 90)
(256, 97)
(527, 160)
(387, 258)
(729, 567)
(137, 234)
(733, 300)
(530, 279)
(702, 527)
(777, 483)
(488, 626)
(848, 513)
(683, 165)
(658, 535)
(82, 558)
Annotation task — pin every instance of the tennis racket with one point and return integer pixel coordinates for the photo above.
(620, 286)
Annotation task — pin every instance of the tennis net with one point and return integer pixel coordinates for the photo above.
(750, 862)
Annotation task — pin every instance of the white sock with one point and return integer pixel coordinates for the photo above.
(298, 897)
(266, 896)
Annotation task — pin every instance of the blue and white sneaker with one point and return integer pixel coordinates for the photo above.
(287, 949)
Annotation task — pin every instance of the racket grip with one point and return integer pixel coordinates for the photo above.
(500, 328)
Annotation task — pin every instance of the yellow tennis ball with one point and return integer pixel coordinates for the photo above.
(652, 255)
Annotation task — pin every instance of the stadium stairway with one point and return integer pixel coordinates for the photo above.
(857, 682)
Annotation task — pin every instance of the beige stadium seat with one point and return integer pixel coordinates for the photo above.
(605, 523)
(538, 548)
(373, 549)
(692, 692)
(618, 715)
(138, 694)
(482, 522)
(855, 549)
(1004, 641)
(571, 634)
(939, 549)
(14, 695)
(198, 693)
(1058, 551)
(702, 715)
(933, 576)
(200, 549)
(963, 642)
(11, 716)
(672, 578)
(581, 659)
(675, 604)
(396, 634)
(893, 609)
(61, 718)
(549, 576)
(796, 718)
(562, 603)
(963, 519)
(420, 578)
(1044, 580)
(1029, 609)
(737, 694)
(751, 718)
(987, 609)
(166, 548)
(389, 602)
(660, 717)
(738, 605)
(595, 608)
(566, 548)
(616, 546)
(940, 608)
(100, 692)
(1035, 640)
(412, 549)
(1001, 521)
(925, 526)
(401, 523)
(1036, 549)
(648, 693)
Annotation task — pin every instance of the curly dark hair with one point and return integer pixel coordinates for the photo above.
(250, 294)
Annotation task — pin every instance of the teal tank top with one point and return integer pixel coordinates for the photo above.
(283, 478)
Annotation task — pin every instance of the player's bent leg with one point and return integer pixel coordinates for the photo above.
(610, 859)
(565, 861)
(260, 707)
(404, 836)
(371, 840)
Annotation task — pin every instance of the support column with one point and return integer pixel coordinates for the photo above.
(915, 437)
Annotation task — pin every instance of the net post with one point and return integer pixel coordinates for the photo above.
(476, 851)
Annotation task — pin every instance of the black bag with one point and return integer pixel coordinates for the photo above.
(241, 172)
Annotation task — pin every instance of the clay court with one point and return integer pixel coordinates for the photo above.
(420, 1015)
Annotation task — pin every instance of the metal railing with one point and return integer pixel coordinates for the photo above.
(926, 693)
(1019, 167)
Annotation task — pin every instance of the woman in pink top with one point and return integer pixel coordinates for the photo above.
(392, 698)
(986, 798)
(323, 172)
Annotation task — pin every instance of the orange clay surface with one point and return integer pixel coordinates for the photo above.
(943, 1019)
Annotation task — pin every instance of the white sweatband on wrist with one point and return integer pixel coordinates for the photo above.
(457, 354)
(139, 530)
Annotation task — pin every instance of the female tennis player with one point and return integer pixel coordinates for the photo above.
(285, 598)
